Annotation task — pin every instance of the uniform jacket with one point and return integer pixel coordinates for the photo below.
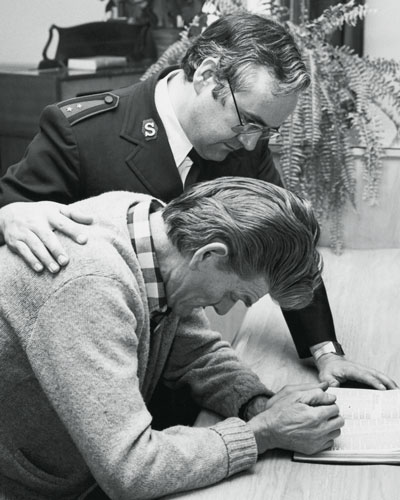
(78, 363)
(116, 140)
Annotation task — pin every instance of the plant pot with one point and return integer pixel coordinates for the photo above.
(164, 37)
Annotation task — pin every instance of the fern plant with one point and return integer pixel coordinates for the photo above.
(335, 113)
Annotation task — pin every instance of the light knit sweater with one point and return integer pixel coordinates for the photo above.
(78, 364)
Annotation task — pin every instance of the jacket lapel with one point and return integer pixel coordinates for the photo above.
(151, 158)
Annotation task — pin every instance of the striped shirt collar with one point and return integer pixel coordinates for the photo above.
(142, 241)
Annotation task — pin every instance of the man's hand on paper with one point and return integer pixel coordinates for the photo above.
(337, 369)
(27, 229)
(302, 418)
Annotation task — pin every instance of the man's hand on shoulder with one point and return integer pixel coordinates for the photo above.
(27, 229)
(337, 369)
(302, 418)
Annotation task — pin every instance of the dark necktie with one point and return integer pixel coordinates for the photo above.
(194, 171)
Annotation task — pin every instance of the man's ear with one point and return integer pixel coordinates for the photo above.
(212, 252)
(205, 74)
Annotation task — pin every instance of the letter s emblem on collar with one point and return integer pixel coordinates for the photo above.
(149, 129)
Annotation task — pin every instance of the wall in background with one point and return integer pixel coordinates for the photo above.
(382, 39)
(24, 25)
(381, 35)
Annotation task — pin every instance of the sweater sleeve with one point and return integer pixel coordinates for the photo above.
(219, 381)
(84, 351)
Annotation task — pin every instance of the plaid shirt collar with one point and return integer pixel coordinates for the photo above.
(143, 245)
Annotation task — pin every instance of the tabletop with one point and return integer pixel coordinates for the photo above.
(364, 292)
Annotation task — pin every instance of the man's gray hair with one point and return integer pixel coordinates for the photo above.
(242, 42)
(268, 230)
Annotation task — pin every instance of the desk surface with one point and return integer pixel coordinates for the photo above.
(364, 291)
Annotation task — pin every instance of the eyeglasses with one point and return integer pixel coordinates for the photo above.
(250, 127)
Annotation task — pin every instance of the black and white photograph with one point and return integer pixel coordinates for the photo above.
(200, 250)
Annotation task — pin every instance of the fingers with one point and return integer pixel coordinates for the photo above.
(76, 215)
(288, 389)
(68, 227)
(334, 434)
(329, 379)
(295, 392)
(392, 384)
(24, 251)
(329, 444)
(330, 440)
(370, 377)
(35, 253)
(333, 431)
(334, 424)
(336, 370)
(291, 423)
(329, 430)
(28, 230)
(377, 380)
(317, 397)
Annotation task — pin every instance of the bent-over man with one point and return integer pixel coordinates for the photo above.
(83, 350)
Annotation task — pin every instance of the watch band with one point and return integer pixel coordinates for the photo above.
(333, 347)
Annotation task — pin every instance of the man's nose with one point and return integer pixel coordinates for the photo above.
(223, 306)
(249, 141)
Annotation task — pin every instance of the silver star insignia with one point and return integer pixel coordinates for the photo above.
(69, 108)
(79, 106)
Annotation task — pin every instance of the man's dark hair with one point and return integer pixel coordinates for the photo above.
(242, 42)
(268, 230)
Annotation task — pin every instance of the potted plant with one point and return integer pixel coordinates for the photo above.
(166, 17)
(337, 111)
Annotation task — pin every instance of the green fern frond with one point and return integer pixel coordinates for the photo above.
(373, 164)
(385, 84)
(228, 6)
(334, 18)
(292, 155)
(373, 83)
(312, 103)
(388, 67)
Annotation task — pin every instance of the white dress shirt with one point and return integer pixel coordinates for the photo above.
(178, 140)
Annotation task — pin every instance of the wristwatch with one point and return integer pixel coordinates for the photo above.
(333, 347)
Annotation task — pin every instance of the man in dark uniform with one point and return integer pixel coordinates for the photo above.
(211, 118)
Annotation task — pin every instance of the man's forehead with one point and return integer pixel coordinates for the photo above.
(257, 78)
(265, 111)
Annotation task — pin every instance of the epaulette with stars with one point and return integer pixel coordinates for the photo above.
(80, 108)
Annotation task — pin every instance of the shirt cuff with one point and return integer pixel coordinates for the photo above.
(240, 444)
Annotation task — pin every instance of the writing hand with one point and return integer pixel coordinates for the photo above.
(27, 229)
(324, 398)
(302, 420)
